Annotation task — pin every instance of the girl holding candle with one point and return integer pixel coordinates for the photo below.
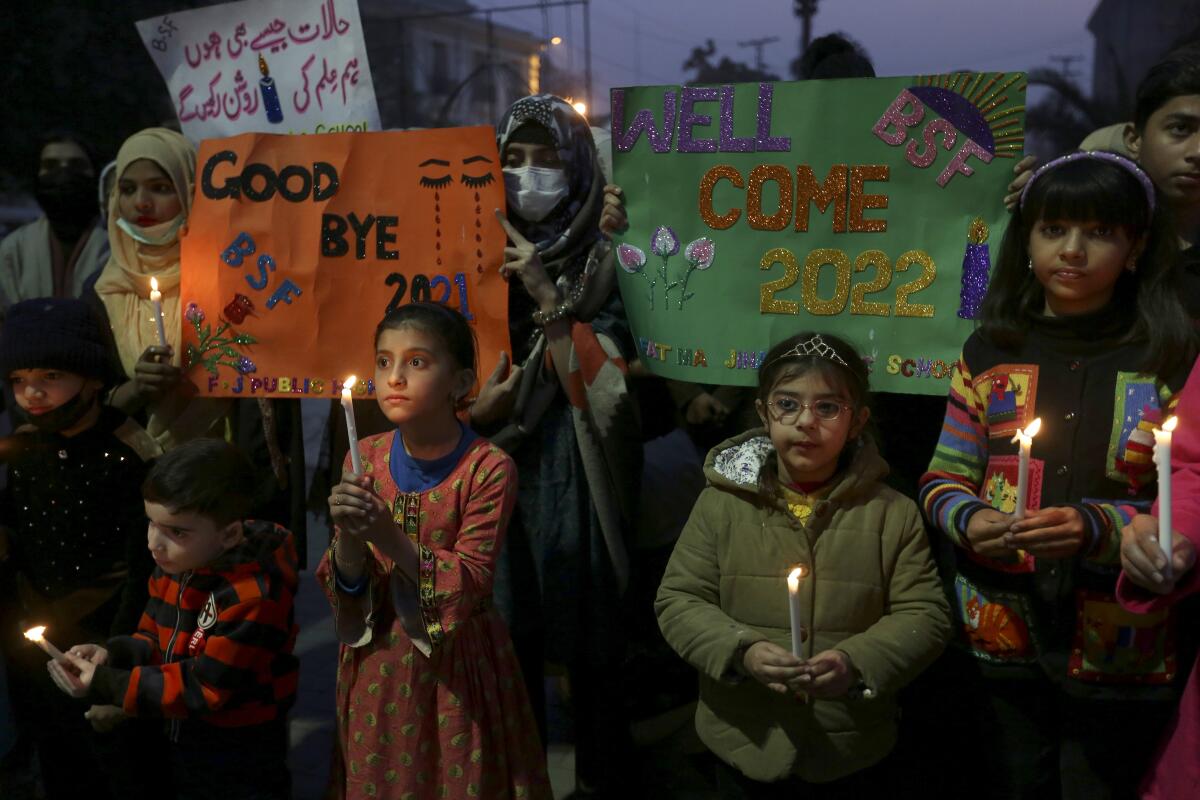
(74, 537)
(137, 294)
(429, 691)
(805, 494)
(1082, 328)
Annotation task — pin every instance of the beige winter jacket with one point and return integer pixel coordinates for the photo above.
(871, 592)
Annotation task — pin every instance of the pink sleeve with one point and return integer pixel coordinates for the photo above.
(1185, 501)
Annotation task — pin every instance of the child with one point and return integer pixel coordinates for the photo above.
(1083, 295)
(72, 512)
(213, 651)
(1146, 586)
(807, 493)
(429, 693)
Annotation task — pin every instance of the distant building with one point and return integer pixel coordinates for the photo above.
(1131, 35)
(436, 64)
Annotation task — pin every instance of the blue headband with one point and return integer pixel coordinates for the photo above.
(1099, 155)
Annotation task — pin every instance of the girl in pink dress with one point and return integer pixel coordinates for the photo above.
(430, 700)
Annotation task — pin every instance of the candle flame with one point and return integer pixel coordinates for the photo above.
(793, 578)
(349, 383)
(154, 284)
(1170, 424)
(1033, 428)
(35, 634)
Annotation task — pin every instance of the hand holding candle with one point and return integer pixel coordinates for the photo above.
(1162, 457)
(1025, 438)
(156, 299)
(351, 428)
(37, 636)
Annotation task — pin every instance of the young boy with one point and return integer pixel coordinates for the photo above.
(72, 530)
(213, 651)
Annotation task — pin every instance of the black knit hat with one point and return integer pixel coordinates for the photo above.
(55, 333)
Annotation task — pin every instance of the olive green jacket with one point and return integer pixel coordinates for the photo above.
(871, 591)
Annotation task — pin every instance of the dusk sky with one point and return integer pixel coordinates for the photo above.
(647, 41)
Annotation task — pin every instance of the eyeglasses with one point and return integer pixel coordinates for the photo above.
(787, 410)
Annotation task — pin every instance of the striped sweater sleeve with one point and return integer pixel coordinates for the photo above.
(236, 662)
(949, 490)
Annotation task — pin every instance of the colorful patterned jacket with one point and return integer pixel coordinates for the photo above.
(1093, 454)
(215, 643)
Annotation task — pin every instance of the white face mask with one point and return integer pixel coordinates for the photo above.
(533, 192)
(155, 235)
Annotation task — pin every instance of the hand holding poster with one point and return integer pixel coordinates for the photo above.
(277, 66)
(298, 245)
(860, 207)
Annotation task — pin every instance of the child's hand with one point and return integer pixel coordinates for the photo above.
(612, 216)
(75, 677)
(1144, 561)
(1023, 171)
(104, 718)
(1054, 532)
(357, 510)
(91, 652)
(986, 532)
(773, 667)
(828, 675)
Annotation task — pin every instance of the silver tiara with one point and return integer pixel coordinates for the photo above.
(814, 346)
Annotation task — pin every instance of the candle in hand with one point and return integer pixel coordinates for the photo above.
(1025, 438)
(793, 582)
(36, 635)
(351, 428)
(156, 299)
(1162, 457)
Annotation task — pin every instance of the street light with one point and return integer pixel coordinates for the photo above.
(556, 40)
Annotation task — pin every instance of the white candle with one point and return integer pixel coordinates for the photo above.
(36, 635)
(793, 582)
(1025, 438)
(1162, 457)
(351, 428)
(156, 299)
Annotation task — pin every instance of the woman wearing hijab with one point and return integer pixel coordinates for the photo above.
(566, 417)
(148, 210)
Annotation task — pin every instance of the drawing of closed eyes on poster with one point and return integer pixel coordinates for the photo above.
(477, 182)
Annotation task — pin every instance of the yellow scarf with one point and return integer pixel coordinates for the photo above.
(124, 285)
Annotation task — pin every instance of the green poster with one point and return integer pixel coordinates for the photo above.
(866, 208)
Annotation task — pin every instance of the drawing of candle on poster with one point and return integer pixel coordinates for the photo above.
(868, 208)
(269, 66)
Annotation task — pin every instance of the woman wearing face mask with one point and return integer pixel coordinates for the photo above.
(54, 255)
(566, 417)
(148, 209)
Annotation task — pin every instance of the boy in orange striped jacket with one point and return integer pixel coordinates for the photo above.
(213, 651)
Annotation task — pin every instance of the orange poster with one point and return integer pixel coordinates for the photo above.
(298, 245)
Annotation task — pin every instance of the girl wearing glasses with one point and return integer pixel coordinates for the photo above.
(813, 718)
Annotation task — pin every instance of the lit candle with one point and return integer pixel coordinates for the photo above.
(351, 428)
(1025, 437)
(793, 582)
(1162, 457)
(36, 635)
(156, 299)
